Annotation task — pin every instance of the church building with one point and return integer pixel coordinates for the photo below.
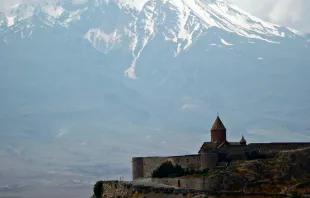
(211, 153)
(219, 141)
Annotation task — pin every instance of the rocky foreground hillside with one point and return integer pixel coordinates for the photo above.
(285, 174)
(287, 171)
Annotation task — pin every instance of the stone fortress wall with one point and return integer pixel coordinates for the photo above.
(278, 146)
(142, 167)
(127, 189)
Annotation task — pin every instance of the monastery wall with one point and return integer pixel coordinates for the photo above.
(203, 183)
(187, 161)
(265, 147)
(112, 189)
(143, 167)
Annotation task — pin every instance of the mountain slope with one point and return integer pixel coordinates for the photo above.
(181, 22)
(178, 50)
(68, 105)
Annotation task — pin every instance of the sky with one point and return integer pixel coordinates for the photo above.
(291, 13)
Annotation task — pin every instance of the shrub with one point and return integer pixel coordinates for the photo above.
(188, 171)
(98, 189)
(277, 189)
(173, 175)
(167, 169)
(256, 155)
(293, 180)
(295, 195)
(203, 172)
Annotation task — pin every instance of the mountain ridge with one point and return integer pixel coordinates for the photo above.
(180, 22)
(64, 86)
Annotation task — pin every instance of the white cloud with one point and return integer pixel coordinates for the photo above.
(63, 131)
(292, 13)
(189, 106)
(272, 135)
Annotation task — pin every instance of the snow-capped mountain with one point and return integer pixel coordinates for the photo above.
(136, 22)
(171, 45)
(66, 78)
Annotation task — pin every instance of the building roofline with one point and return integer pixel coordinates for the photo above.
(280, 143)
(193, 155)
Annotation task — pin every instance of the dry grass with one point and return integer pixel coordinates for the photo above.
(137, 195)
(246, 196)
(294, 150)
(244, 171)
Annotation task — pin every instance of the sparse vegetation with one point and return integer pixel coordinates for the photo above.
(137, 195)
(256, 155)
(296, 195)
(98, 189)
(167, 169)
(294, 181)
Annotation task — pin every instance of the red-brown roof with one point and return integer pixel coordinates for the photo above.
(218, 125)
(242, 139)
(222, 144)
(207, 146)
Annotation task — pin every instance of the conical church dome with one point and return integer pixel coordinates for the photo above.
(218, 125)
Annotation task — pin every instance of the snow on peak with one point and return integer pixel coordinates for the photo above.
(131, 4)
(191, 18)
(228, 17)
(102, 41)
(10, 21)
(74, 16)
(216, 13)
(181, 22)
(54, 11)
(19, 12)
(226, 43)
(296, 32)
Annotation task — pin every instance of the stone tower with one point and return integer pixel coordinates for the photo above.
(137, 168)
(242, 141)
(218, 132)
